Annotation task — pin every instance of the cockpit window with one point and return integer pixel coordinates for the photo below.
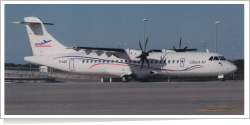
(222, 58)
(211, 58)
(216, 58)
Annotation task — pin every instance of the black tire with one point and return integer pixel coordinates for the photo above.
(125, 79)
(222, 80)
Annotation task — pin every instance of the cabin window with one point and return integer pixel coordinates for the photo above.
(152, 61)
(134, 61)
(116, 61)
(95, 61)
(216, 58)
(168, 61)
(182, 61)
(139, 61)
(107, 61)
(160, 62)
(129, 61)
(82, 61)
(177, 61)
(164, 61)
(126, 61)
(155, 61)
(173, 61)
(87, 61)
(211, 58)
(121, 61)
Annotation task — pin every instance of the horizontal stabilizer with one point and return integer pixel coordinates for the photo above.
(32, 23)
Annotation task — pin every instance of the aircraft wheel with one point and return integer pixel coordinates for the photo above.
(125, 79)
(222, 80)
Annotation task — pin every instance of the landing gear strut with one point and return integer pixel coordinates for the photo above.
(221, 77)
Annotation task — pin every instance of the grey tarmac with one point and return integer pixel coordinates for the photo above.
(78, 97)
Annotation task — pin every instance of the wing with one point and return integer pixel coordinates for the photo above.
(99, 51)
(103, 49)
(183, 50)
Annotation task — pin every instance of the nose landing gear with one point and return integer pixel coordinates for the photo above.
(221, 77)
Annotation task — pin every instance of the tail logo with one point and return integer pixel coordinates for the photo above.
(42, 44)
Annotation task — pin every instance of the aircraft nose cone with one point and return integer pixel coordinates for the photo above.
(233, 68)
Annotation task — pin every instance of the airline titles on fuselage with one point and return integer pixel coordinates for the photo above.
(197, 62)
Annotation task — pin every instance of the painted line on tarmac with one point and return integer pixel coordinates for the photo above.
(11, 106)
(229, 109)
(226, 106)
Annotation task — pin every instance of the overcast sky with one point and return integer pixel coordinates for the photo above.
(93, 25)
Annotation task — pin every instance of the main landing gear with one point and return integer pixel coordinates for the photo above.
(222, 80)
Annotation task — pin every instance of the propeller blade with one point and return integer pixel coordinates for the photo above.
(180, 44)
(174, 47)
(145, 45)
(147, 61)
(142, 61)
(140, 46)
(138, 56)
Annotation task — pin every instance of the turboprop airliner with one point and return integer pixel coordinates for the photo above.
(124, 63)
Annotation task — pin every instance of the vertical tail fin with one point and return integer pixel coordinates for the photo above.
(41, 41)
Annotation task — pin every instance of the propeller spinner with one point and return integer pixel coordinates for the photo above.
(144, 54)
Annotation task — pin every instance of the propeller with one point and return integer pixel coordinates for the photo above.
(144, 54)
(182, 50)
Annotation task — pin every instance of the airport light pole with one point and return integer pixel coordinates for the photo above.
(127, 44)
(189, 44)
(144, 29)
(233, 59)
(204, 45)
(119, 45)
(30, 55)
(218, 22)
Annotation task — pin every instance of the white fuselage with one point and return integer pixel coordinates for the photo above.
(120, 62)
(160, 63)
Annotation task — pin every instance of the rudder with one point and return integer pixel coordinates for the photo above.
(41, 41)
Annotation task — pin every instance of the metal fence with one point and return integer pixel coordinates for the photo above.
(26, 72)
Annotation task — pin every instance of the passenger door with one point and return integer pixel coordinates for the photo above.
(71, 65)
(182, 62)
